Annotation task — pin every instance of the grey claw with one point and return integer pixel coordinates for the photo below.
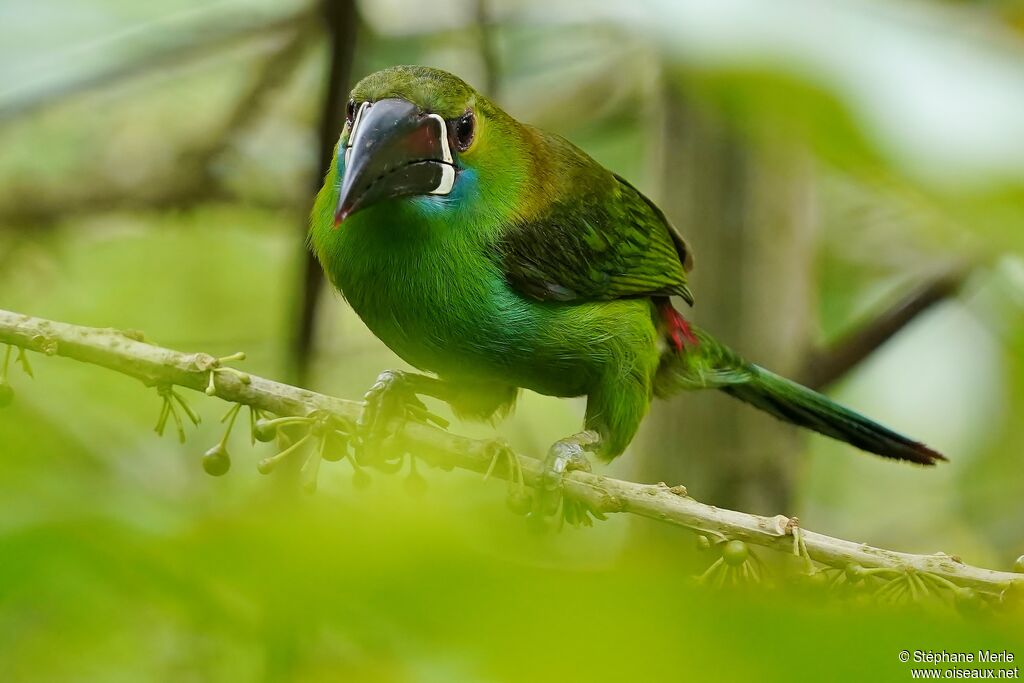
(391, 396)
(385, 397)
(564, 456)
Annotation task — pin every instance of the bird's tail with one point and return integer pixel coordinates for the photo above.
(708, 364)
(805, 407)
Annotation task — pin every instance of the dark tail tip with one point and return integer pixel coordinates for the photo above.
(924, 455)
(801, 406)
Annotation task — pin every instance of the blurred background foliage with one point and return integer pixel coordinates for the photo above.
(827, 160)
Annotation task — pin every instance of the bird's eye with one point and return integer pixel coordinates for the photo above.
(465, 127)
(350, 111)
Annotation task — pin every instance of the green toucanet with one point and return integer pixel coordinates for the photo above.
(500, 257)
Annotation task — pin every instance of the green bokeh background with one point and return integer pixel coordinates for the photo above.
(121, 561)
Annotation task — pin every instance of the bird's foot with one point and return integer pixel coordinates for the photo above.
(390, 403)
(563, 457)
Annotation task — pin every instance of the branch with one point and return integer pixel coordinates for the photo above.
(277, 68)
(192, 182)
(488, 49)
(340, 21)
(191, 45)
(829, 366)
(127, 353)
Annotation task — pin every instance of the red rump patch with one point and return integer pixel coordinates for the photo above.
(679, 331)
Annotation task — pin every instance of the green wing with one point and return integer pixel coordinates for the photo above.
(607, 242)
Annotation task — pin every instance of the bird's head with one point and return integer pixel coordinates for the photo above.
(418, 133)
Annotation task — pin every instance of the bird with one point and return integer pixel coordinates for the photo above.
(497, 257)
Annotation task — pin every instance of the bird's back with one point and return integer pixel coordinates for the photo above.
(586, 234)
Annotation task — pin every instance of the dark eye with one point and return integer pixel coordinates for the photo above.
(465, 127)
(350, 111)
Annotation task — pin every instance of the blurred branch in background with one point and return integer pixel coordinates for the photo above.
(275, 71)
(166, 369)
(191, 44)
(190, 179)
(827, 366)
(488, 49)
(340, 21)
(114, 545)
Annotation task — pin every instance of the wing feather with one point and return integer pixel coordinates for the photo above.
(608, 242)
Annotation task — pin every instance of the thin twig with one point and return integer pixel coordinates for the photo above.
(128, 354)
(193, 182)
(488, 48)
(828, 366)
(276, 69)
(340, 22)
(190, 45)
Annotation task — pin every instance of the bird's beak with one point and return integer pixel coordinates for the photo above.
(393, 150)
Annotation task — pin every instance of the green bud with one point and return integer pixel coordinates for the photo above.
(967, 600)
(337, 448)
(1013, 595)
(703, 542)
(519, 501)
(216, 461)
(1018, 566)
(6, 394)
(264, 431)
(735, 553)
